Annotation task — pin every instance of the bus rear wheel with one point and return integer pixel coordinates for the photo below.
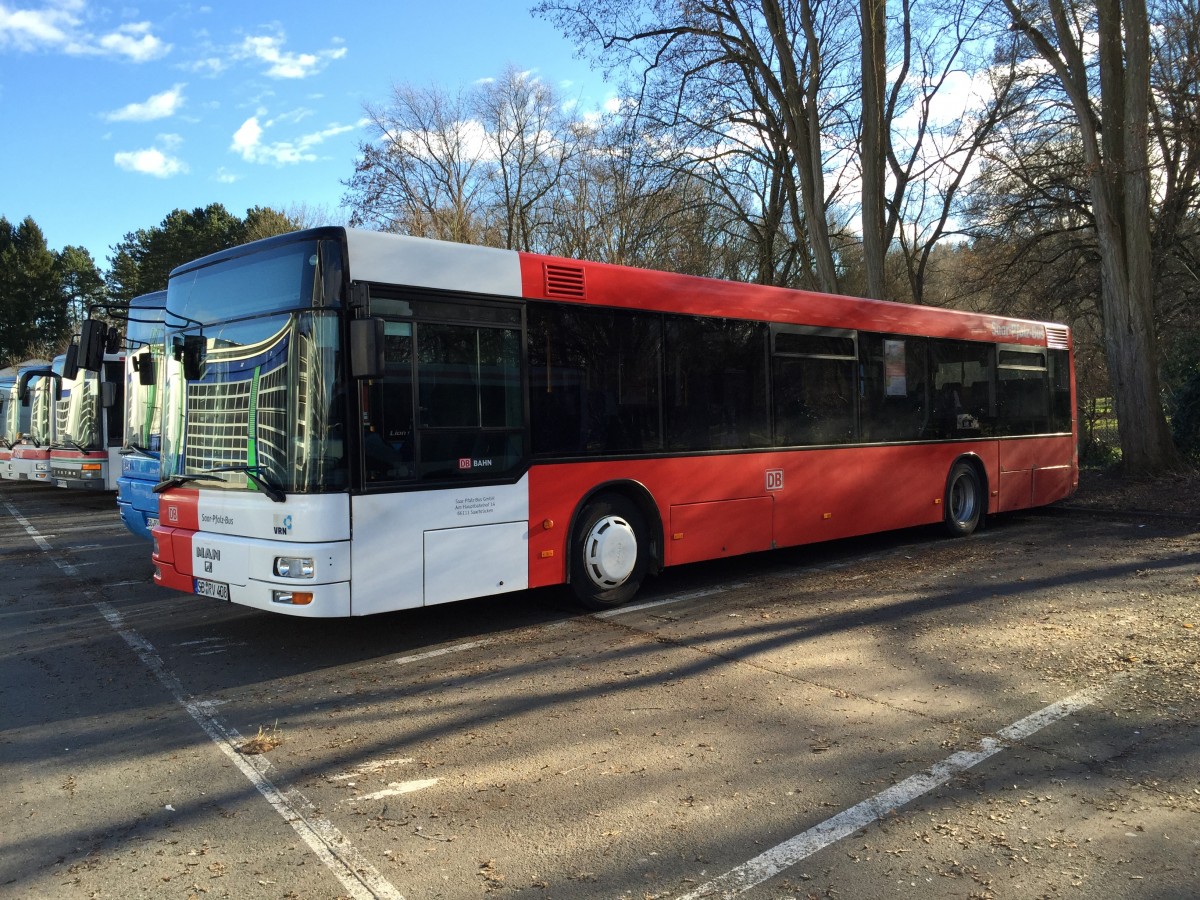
(964, 499)
(609, 553)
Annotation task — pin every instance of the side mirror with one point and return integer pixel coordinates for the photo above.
(92, 338)
(367, 348)
(143, 364)
(23, 390)
(195, 350)
(113, 341)
(71, 362)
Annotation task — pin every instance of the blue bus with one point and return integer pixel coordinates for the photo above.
(144, 342)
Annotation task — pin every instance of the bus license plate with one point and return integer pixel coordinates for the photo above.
(218, 590)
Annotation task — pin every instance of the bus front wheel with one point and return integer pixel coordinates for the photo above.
(964, 499)
(610, 553)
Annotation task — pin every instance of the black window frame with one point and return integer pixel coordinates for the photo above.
(423, 308)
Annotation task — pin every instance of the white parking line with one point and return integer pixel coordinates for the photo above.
(362, 880)
(442, 651)
(770, 863)
(396, 788)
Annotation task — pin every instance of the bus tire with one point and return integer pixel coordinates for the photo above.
(964, 499)
(610, 553)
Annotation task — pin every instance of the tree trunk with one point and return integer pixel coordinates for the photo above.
(874, 64)
(1115, 147)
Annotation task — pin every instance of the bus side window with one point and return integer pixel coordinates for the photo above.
(895, 405)
(387, 437)
(814, 401)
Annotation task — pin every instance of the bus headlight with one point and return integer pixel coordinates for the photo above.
(294, 566)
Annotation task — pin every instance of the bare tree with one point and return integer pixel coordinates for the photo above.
(723, 70)
(420, 172)
(528, 142)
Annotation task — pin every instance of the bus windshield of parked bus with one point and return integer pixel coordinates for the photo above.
(266, 411)
(79, 426)
(143, 411)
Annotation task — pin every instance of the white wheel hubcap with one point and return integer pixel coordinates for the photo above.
(610, 552)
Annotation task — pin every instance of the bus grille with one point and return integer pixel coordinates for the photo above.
(565, 282)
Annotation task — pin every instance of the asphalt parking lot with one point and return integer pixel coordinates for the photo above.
(1009, 715)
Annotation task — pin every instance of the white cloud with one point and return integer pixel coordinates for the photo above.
(248, 142)
(151, 161)
(246, 138)
(159, 106)
(33, 29)
(281, 64)
(57, 27)
(133, 41)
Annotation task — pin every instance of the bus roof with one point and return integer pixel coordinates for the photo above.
(440, 265)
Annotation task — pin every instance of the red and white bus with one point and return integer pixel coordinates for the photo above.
(359, 422)
(90, 430)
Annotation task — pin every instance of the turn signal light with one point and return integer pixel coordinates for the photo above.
(292, 598)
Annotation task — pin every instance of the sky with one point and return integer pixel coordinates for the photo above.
(112, 116)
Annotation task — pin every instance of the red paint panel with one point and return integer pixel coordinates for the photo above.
(1016, 490)
(174, 547)
(166, 551)
(622, 286)
(77, 455)
(1052, 484)
(825, 494)
(179, 508)
(722, 528)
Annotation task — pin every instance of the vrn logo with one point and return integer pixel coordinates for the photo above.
(283, 524)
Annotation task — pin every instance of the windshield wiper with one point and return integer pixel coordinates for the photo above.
(179, 480)
(138, 449)
(254, 473)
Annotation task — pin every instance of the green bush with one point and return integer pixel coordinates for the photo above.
(1185, 419)
(1097, 454)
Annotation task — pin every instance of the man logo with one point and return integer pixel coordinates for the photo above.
(283, 524)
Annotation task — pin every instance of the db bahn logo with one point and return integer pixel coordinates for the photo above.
(172, 514)
(466, 463)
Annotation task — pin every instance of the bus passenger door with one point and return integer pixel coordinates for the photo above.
(442, 511)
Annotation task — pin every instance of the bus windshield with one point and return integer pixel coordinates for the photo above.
(267, 407)
(41, 415)
(11, 426)
(80, 425)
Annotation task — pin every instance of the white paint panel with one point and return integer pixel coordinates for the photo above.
(475, 562)
(238, 560)
(420, 262)
(220, 558)
(300, 518)
(388, 547)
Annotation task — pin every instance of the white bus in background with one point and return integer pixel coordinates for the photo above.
(44, 391)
